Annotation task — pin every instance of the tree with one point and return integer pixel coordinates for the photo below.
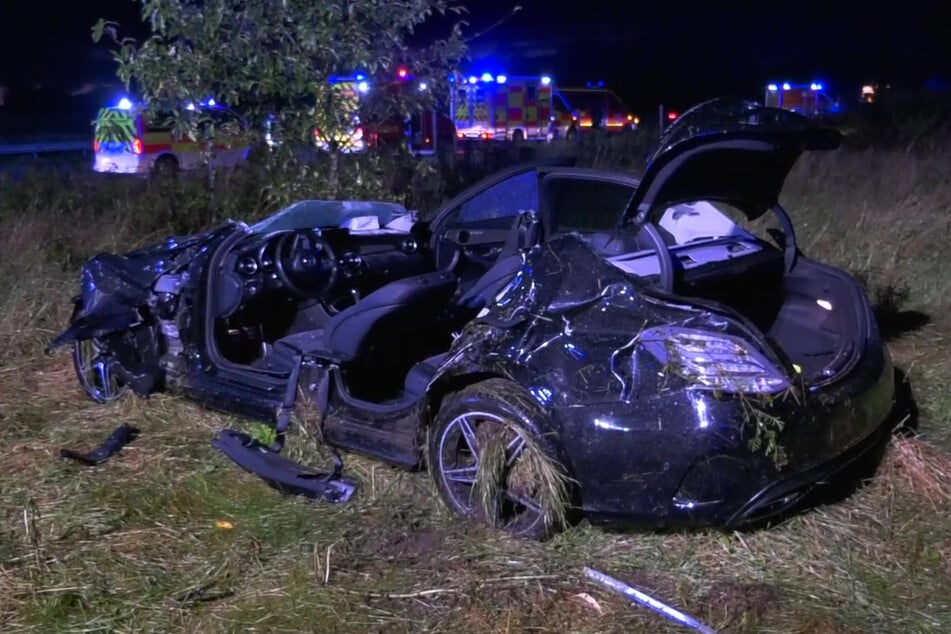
(273, 60)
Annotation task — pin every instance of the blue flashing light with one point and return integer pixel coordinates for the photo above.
(487, 77)
(786, 86)
(361, 76)
(423, 86)
(815, 86)
(363, 86)
(211, 102)
(190, 106)
(124, 104)
(600, 84)
(772, 87)
(546, 80)
(473, 79)
(501, 79)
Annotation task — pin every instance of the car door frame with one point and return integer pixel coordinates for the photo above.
(577, 174)
(493, 238)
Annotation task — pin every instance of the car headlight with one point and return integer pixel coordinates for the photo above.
(713, 360)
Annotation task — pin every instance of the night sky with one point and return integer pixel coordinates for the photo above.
(676, 52)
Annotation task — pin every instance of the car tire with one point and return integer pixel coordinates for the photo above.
(499, 410)
(107, 385)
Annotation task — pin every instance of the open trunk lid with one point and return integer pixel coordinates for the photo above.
(732, 152)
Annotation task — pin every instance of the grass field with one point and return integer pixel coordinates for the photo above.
(138, 544)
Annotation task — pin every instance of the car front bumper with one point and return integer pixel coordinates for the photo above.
(121, 163)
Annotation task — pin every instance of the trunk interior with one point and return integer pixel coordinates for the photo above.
(816, 315)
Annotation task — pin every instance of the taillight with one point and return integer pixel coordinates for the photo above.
(137, 146)
(95, 146)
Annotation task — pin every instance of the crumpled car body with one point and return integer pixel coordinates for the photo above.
(610, 320)
(650, 433)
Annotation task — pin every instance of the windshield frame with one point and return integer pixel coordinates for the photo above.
(328, 214)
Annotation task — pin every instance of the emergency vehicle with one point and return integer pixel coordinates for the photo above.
(591, 107)
(420, 131)
(126, 141)
(424, 131)
(810, 99)
(347, 94)
(500, 107)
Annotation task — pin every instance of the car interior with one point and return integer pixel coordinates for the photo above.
(381, 304)
(384, 307)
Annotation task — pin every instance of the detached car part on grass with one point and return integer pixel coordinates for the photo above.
(583, 340)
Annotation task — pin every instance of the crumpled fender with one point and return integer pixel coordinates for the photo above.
(94, 326)
(109, 301)
(114, 288)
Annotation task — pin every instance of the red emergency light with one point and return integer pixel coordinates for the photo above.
(671, 115)
(402, 72)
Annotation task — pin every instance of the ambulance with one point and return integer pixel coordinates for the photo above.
(127, 141)
(501, 108)
(809, 99)
(594, 106)
(347, 135)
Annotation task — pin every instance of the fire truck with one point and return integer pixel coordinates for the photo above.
(500, 107)
(807, 99)
(421, 131)
(424, 131)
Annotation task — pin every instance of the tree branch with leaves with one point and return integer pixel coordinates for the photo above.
(274, 59)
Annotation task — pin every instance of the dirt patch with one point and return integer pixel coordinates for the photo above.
(826, 625)
(28, 460)
(919, 468)
(740, 605)
(416, 544)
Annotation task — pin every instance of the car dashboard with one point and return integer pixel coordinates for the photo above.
(362, 262)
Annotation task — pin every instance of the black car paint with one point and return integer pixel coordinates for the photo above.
(646, 445)
(634, 434)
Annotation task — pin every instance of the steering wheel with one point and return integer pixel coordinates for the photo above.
(305, 263)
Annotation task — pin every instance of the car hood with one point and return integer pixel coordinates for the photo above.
(720, 151)
(113, 287)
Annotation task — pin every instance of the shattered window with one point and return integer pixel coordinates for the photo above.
(503, 200)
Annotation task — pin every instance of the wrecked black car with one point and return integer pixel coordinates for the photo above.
(589, 342)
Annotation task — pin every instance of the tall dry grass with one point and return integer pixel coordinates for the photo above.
(133, 545)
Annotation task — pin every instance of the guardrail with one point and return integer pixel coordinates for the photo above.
(44, 148)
